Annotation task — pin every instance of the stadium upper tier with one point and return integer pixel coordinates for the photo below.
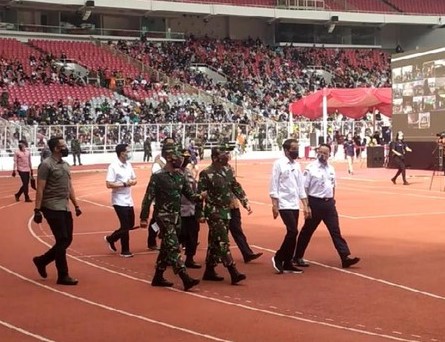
(382, 6)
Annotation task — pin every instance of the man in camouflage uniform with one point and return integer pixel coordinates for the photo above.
(158, 164)
(219, 182)
(166, 187)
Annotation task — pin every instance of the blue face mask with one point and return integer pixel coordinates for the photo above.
(129, 155)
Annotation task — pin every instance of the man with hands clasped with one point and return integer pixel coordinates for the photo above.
(286, 191)
(120, 179)
(54, 190)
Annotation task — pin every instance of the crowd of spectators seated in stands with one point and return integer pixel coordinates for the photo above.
(260, 78)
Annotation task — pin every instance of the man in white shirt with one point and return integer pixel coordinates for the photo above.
(286, 191)
(120, 179)
(319, 183)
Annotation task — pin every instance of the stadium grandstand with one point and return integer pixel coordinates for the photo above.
(205, 70)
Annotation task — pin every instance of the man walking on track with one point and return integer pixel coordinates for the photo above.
(120, 179)
(166, 187)
(319, 182)
(54, 190)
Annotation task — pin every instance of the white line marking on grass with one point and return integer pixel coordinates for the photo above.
(378, 280)
(25, 332)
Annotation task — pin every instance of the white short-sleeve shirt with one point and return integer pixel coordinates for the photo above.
(121, 172)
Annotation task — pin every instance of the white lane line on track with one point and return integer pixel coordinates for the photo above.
(25, 332)
(250, 308)
(378, 280)
(9, 205)
(110, 308)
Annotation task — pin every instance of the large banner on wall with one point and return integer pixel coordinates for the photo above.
(418, 81)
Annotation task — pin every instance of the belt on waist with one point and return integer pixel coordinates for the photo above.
(325, 199)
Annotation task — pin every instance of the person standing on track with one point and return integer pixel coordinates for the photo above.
(54, 190)
(349, 147)
(319, 183)
(398, 149)
(120, 179)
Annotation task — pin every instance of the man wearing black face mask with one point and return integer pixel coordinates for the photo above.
(54, 189)
(120, 178)
(286, 192)
(166, 187)
(22, 163)
(220, 183)
(319, 183)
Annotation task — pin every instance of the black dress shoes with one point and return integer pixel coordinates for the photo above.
(67, 280)
(41, 268)
(348, 262)
(251, 257)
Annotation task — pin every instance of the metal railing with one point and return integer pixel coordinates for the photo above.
(103, 138)
(87, 31)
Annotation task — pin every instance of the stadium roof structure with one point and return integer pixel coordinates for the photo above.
(353, 103)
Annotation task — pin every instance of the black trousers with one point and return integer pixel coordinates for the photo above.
(290, 220)
(188, 236)
(236, 230)
(61, 224)
(24, 189)
(126, 220)
(400, 162)
(147, 156)
(76, 155)
(322, 210)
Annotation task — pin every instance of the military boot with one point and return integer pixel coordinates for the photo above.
(188, 281)
(235, 275)
(158, 280)
(210, 274)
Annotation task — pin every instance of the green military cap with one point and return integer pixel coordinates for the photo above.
(221, 149)
(171, 149)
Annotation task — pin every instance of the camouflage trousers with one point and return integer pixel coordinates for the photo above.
(218, 250)
(170, 252)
